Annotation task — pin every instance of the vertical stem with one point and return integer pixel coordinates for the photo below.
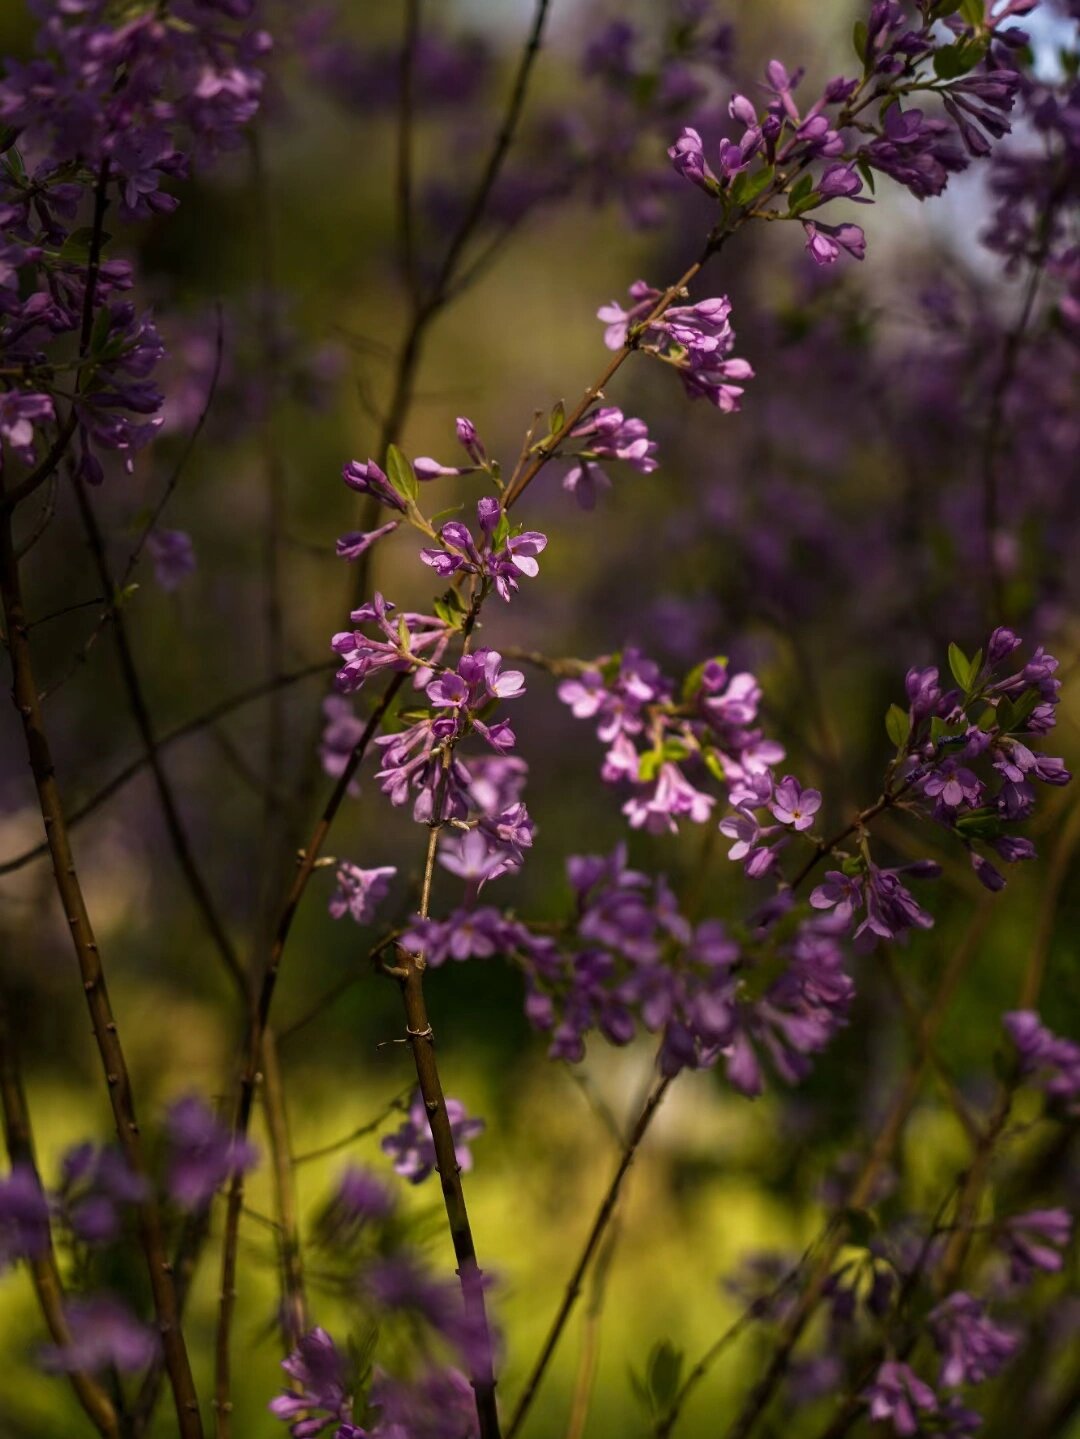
(87, 954)
(253, 1050)
(44, 1271)
(140, 713)
(293, 1303)
(421, 1039)
(603, 1218)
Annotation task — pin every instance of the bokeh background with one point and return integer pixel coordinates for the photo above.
(824, 536)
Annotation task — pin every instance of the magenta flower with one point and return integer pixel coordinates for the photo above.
(793, 805)
(898, 1395)
(360, 891)
(203, 1153)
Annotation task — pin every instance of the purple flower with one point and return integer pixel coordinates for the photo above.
(104, 1334)
(793, 805)
(203, 1152)
(360, 891)
(19, 409)
(413, 1148)
(173, 557)
(688, 156)
(825, 242)
(24, 1216)
(358, 542)
(973, 1348)
(890, 907)
(1035, 1241)
(320, 1396)
(898, 1395)
(439, 1405)
(96, 1186)
(1052, 1060)
(367, 478)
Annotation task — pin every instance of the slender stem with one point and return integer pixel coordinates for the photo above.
(406, 99)
(599, 1225)
(421, 1039)
(257, 1023)
(589, 1358)
(294, 1302)
(521, 481)
(44, 1270)
(91, 969)
(189, 727)
(991, 438)
(140, 713)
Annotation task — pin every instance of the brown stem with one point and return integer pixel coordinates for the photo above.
(44, 1270)
(421, 1039)
(257, 1024)
(294, 1302)
(596, 1233)
(69, 890)
(585, 1382)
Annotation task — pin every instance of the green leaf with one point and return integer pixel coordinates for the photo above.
(664, 1373)
(8, 136)
(960, 666)
(867, 172)
(807, 202)
(558, 419)
(972, 12)
(897, 725)
(952, 61)
(749, 185)
(859, 38)
(79, 243)
(400, 474)
(100, 333)
(649, 765)
(713, 764)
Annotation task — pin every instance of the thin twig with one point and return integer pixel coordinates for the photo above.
(91, 969)
(257, 1023)
(596, 1233)
(44, 1270)
(203, 721)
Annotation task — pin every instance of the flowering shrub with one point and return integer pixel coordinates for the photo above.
(850, 850)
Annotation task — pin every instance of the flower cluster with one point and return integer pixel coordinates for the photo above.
(696, 340)
(203, 1153)
(652, 739)
(114, 108)
(605, 434)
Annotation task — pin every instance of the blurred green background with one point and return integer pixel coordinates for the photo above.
(720, 1178)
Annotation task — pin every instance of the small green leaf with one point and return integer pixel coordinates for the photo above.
(897, 725)
(808, 202)
(400, 474)
(972, 12)
(692, 682)
(713, 764)
(859, 38)
(8, 136)
(664, 1374)
(649, 765)
(960, 666)
(861, 1225)
(749, 185)
(79, 243)
(867, 172)
(557, 419)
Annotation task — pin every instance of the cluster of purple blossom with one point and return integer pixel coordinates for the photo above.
(972, 72)
(696, 340)
(95, 1199)
(109, 107)
(366, 1238)
(714, 725)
